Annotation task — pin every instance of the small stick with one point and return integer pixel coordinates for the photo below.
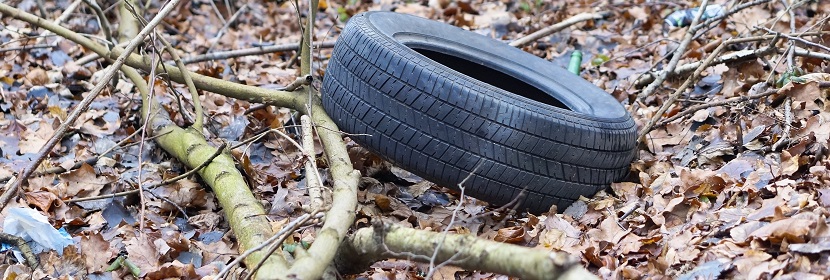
(314, 182)
(26, 48)
(807, 53)
(628, 213)
(300, 81)
(252, 51)
(798, 39)
(788, 112)
(446, 231)
(225, 27)
(557, 27)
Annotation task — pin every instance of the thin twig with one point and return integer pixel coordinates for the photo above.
(807, 53)
(446, 231)
(798, 39)
(677, 54)
(557, 27)
(194, 94)
(252, 51)
(788, 112)
(218, 14)
(733, 100)
(29, 47)
(314, 182)
(102, 20)
(225, 27)
(706, 24)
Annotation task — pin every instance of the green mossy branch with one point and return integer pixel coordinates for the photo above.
(244, 212)
(384, 240)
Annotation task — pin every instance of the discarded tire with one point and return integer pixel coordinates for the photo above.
(445, 103)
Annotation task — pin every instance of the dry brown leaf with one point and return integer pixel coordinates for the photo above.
(176, 270)
(791, 230)
(37, 77)
(97, 252)
(83, 182)
(513, 235)
(42, 200)
(143, 253)
(69, 263)
(184, 193)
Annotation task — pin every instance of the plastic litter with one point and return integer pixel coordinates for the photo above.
(683, 18)
(31, 225)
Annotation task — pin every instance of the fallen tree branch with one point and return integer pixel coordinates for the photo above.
(244, 212)
(314, 183)
(384, 240)
(276, 239)
(312, 264)
(557, 27)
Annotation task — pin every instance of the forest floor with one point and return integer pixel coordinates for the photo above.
(731, 179)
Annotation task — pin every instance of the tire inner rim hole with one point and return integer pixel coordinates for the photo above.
(491, 76)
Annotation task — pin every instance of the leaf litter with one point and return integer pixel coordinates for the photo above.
(710, 195)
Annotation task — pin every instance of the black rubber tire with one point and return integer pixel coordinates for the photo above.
(443, 102)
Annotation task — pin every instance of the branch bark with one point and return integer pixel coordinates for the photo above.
(382, 240)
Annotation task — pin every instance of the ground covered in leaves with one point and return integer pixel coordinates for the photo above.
(735, 191)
